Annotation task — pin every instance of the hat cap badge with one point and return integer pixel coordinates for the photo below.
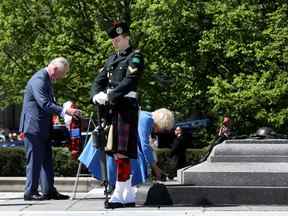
(119, 30)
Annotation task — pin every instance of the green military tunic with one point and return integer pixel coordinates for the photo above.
(119, 78)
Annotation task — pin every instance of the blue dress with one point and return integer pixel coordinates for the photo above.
(90, 156)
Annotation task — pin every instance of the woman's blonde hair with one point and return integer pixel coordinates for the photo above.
(163, 119)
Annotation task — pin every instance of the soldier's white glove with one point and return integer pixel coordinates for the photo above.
(100, 98)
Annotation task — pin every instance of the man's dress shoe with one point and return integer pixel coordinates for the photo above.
(35, 197)
(113, 205)
(55, 196)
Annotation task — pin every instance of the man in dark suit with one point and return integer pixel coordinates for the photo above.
(36, 122)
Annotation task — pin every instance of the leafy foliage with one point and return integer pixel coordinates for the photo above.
(62, 162)
(252, 87)
(225, 56)
(8, 156)
(64, 166)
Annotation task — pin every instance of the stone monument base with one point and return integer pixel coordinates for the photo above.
(237, 172)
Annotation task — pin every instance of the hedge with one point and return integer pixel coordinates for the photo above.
(12, 161)
(168, 165)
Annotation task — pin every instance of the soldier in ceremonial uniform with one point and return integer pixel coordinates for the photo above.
(116, 85)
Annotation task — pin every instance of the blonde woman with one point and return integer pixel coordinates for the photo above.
(158, 121)
(148, 122)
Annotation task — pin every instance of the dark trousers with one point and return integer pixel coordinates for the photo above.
(39, 165)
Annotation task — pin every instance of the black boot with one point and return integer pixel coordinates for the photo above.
(111, 205)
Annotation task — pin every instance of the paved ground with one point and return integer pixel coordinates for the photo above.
(91, 203)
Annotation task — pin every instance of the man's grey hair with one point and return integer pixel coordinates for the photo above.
(61, 62)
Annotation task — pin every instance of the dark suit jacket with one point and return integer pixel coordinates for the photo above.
(38, 105)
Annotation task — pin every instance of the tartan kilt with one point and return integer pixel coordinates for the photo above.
(125, 125)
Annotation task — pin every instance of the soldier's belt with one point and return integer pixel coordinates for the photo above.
(131, 94)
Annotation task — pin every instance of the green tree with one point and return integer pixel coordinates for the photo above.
(34, 32)
(252, 53)
(229, 56)
(170, 31)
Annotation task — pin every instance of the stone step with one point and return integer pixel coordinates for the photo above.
(64, 184)
(189, 195)
(235, 174)
(245, 152)
(257, 141)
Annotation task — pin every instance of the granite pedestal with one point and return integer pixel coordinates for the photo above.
(237, 172)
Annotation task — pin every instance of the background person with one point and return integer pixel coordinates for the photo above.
(178, 149)
(36, 124)
(224, 132)
(160, 120)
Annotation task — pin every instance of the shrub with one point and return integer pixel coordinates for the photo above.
(168, 165)
(62, 162)
(12, 161)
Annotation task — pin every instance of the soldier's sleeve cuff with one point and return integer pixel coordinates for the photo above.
(94, 99)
